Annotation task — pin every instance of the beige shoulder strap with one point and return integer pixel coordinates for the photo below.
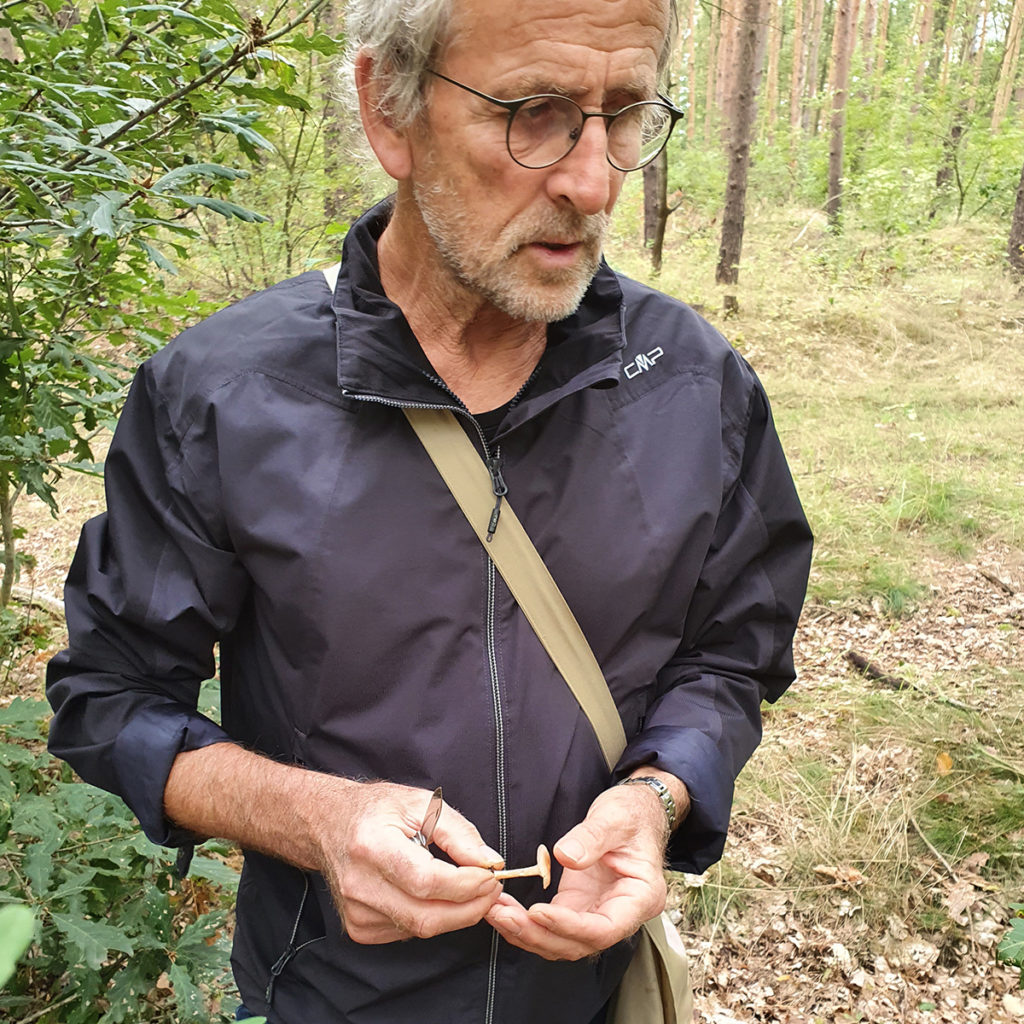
(524, 571)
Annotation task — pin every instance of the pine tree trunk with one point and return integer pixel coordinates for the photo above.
(842, 38)
(924, 42)
(1008, 69)
(749, 55)
(656, 211)
(711, 85)
(691, 71)
(881, 41)
(867, 41)
(813, 77)
(1015, 249)
(336, 198)
(978, 59)
(796, 74)
(947, 45)
(774, 48)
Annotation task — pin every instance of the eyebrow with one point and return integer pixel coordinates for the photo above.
(634, 90)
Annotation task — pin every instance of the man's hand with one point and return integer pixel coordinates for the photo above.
(358, 834)
(387, 887)
(613, 879)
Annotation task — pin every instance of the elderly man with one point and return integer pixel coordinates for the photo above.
(266, 492)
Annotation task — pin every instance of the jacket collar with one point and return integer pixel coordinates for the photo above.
(378, 354)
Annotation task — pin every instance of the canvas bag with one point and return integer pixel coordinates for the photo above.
(656, 986)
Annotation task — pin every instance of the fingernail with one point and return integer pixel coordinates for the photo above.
(507, 924)
(571, 849)
(491, 858)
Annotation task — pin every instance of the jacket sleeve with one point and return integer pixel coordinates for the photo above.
(705, 720)
(151, 588)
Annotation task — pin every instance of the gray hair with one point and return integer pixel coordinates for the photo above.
(407, 38)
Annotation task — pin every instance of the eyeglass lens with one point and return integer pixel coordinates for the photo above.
(544, 130)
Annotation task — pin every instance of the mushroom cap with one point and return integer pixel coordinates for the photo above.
(544, 863)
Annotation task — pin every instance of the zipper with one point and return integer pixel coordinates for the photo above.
(499, 487)
(499, 771)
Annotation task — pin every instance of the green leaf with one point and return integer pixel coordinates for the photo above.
(188, 998)
(17, 926)
(269, 95)
(215, 871)
(156, 256)
(1011, 949)
(223, 207)
(91, 940)
(188, 172)
(319, 42)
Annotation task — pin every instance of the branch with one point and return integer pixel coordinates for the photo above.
(238, 54)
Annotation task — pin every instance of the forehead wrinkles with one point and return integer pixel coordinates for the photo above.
(565, 35)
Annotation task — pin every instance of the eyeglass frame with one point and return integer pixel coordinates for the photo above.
(512, 107)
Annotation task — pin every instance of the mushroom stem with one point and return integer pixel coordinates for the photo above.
(542, 868)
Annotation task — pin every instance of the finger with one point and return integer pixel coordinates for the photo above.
(519, 929)
(397, 917)
(459, 838)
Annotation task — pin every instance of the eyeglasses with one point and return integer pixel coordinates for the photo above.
(544, 129)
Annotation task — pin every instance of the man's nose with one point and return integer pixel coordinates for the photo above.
(584, 177)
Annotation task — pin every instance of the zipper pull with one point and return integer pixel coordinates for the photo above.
(500, 489)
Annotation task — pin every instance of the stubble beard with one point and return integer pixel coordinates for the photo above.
(496, 270)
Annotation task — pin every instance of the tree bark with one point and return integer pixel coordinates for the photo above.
(978, 59)
(691, 71)
(711, 85)
(842, 36)
(336, 197)
(881, 41)
(656, 208)
(924, 42)
(1008, 69)
(774, 47)
(813, 77)
(1015, 248)
(747, 66)
(796, 74)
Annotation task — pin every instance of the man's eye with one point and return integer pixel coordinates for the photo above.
(537, 110)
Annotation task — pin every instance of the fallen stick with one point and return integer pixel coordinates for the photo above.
(872, 671)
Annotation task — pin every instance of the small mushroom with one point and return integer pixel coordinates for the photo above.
(542, 869)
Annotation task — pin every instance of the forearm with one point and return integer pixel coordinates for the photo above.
(227, 791)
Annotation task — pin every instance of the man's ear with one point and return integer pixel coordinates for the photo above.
(388, 142)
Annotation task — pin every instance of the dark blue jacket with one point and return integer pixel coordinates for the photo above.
(265, 491)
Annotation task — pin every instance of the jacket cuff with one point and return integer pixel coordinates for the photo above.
(143, 754)
(691, 756)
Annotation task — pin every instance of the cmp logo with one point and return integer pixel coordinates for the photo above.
(643, 362)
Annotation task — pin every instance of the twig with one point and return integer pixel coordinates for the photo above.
(924, 839)
(49, 1008)
(872, 671)
(997, 582)
(27, 595)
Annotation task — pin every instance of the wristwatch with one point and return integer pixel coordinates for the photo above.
(662, 791)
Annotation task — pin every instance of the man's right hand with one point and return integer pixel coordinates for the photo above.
(386, 886)
(358, 834)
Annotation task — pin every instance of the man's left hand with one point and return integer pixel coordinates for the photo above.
(613, 881)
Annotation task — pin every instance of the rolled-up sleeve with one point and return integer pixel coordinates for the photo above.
(153, 585)
(737, 643)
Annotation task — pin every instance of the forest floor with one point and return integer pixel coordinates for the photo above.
(789, 954)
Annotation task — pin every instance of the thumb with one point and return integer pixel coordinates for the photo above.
(459, 838)
(583, 845)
